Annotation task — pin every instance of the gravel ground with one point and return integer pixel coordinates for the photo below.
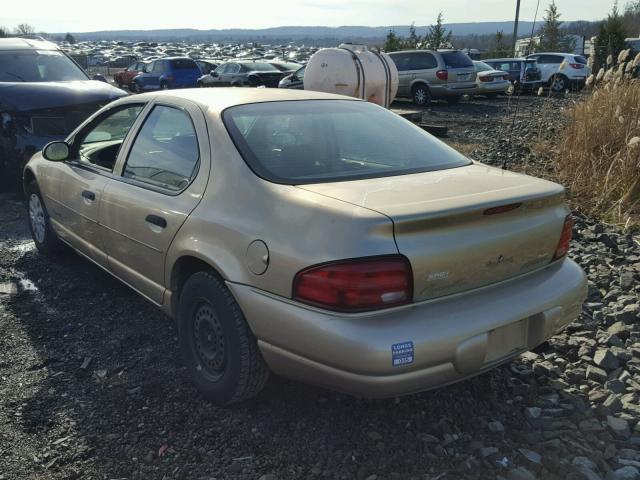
(91, 384)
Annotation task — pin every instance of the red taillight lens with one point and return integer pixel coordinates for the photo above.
(356, 285)
(505, 77)
(576, 65)
(442, 74)
(565, 239)
(486, 79)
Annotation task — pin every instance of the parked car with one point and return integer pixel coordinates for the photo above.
(287, 67)
(523, 73)
(167, 73)
(125, 77)
(207, 66)
(562, 71)
(490, 82)
(425, 75)
(44, 95)
(318, 236)
(247, 73)
(295, 80)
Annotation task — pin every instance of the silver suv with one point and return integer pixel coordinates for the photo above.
(429, 74)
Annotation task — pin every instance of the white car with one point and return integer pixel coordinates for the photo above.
(560, 75)
(489, 81)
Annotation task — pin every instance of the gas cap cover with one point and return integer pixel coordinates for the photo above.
(257, 257)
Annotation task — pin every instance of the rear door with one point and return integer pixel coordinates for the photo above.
(460, 67)
(158, 183)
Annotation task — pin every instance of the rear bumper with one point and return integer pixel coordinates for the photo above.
(450, 338)
(492, 87)
(451, 90)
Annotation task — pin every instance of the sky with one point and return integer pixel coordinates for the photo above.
(84, 16)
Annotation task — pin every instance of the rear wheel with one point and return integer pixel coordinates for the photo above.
(421, 95)
(43, 235)
(219, 350)
(558, 83)
(164, 85)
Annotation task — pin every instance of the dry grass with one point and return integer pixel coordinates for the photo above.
(465, 148)
(599, 156)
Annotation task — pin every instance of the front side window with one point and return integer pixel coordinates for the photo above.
(165, 153)
(101, 143)
(38, 66)
(301, 142)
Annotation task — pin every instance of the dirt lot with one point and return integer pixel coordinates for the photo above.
(92, 387)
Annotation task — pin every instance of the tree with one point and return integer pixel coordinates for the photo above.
(610, 39)
(437, 36)
(499, 48)
(392, 43)
(414, 39)
(4, 32)
(25, 29)
(70, 38)
(552, 37)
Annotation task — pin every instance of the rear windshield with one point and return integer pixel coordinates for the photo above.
(482, 67)
(184, 64)
(38, 66)
(456, 60)
(299, 142)
(580, 59)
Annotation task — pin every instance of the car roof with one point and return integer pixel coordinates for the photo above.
(219, 99)
(17, 43)
(504, 60)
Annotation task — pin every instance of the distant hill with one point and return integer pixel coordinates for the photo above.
(283, 34)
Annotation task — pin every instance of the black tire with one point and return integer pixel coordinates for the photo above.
(453, 100)
(218, 348)
(421, 95)
(134, 87)
(199, 85)
(164, 85)
(46, 240)
(558, 83)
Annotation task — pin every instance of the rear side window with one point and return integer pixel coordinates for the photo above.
(183, 64)
(550, 59)
(165, 153)
(422, 61)
(301, 142)
(456, 60)
(402, 61)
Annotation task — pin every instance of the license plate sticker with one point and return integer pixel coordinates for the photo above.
(402, 353)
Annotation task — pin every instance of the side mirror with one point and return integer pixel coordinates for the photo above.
(56, 151)
(99, 77)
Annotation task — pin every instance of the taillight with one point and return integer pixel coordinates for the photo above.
(576, 65)
(442, 74)
(356, 285)
(505, 77)
(565, 239)
(486, 79)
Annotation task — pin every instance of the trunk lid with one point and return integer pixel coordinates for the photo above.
(442, 227)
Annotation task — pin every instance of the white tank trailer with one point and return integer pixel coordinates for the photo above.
(355, 71)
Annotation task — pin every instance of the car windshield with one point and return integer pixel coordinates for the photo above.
(313, 141)
(285, 67)
(456, 59)
(38, 66)
(482, 67)
(260, 67)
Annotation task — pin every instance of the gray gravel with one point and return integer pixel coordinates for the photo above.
(91, 385)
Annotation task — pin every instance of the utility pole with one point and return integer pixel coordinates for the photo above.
(515, 28)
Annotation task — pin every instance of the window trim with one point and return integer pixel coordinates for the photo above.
(149, 186)
(75, 148)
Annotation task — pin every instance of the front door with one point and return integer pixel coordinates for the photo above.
(75, 188)
(159, 183)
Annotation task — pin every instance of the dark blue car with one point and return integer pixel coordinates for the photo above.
(165, 73)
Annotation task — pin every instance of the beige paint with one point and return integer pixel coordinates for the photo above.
(482, 312)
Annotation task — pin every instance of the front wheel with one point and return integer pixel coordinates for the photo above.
(421, 95)
(164, 85)
(219, 350)
(43, 235)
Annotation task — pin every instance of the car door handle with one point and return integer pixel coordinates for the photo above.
(156, 220)
(89, 195)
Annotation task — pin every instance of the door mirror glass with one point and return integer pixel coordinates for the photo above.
(56, 151)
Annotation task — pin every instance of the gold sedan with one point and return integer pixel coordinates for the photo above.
(320, 237)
